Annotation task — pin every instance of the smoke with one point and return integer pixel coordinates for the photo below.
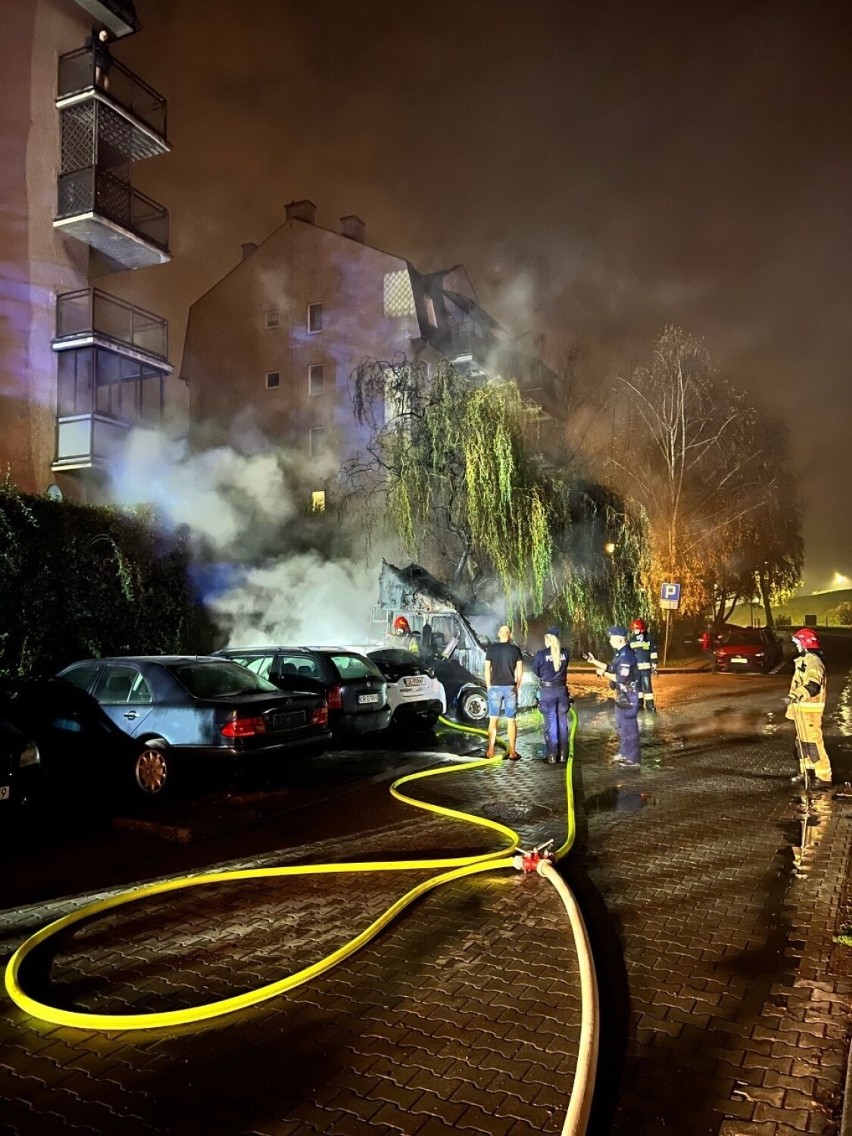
(289, 574)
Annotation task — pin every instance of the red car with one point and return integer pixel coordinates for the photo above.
(748, 649)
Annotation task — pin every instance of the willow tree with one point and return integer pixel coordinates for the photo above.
(464, 490)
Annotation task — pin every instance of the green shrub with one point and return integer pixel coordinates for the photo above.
(78, 581)
(843, 614)
(783, 621)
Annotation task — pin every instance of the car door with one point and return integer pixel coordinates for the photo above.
(125, 695)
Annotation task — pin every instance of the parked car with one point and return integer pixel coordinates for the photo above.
(189, 708)
(355, 688)
(20, 769)
(83, 755)
(415, 695)
(748, 649)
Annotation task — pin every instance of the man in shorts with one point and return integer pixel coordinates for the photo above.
(504, 669)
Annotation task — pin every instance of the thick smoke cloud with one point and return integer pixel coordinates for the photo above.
(288, 578)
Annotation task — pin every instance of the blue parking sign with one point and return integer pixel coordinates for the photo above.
(670, 597)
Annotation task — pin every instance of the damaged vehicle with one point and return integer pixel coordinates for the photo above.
(445, 635)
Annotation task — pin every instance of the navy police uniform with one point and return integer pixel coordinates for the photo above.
(553, 699)
(623, 674)
(645, 650)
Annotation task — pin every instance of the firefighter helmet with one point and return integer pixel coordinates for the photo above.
(400, 625)
(638, 625)
(806, 638)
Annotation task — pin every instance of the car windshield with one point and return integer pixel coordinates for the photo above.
(748, 637)
(219, 680)
(353, 666)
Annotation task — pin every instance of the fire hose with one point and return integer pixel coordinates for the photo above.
(539, 859)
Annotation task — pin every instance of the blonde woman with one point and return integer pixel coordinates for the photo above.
(551, 666)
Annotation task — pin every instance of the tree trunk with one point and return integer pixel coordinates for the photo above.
(763, 585)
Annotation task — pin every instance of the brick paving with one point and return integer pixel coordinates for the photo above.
(712, 908)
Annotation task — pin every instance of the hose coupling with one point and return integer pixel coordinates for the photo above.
(529, 861)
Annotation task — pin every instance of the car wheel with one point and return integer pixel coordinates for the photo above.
(152, 775)
(473, 705)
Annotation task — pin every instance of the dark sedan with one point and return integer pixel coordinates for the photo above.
(195, 707)
(83, 755)
(748, 649)
(356, 689)
(20, 768)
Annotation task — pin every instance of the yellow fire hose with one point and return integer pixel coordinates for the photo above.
(456, 868)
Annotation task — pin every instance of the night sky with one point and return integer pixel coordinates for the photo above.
(602, 169)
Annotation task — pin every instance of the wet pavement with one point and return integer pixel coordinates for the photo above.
(713, 899)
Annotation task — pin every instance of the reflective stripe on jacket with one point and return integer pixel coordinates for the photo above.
(645, 651)
(807, 668)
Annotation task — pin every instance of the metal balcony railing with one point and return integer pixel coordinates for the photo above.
(91, 314)
(104, 195)
(122, 87)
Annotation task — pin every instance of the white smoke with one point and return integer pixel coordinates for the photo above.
(240, 509)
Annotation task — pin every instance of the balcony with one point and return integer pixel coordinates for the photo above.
(470, 344)
(88, 441)
(117, 15)
(127, 116)
(91, 318)
(108, 214)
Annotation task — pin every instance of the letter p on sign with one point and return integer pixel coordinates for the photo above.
(670, 596)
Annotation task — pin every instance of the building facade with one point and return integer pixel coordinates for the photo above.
(78, 367)
(271, 348)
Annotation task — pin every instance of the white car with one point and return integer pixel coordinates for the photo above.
(415, 696)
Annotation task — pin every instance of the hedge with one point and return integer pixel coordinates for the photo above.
(82, 581)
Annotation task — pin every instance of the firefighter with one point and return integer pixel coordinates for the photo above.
(403, 636)
(623, 674)
(806, 704)
(645, 650)
(551, 666)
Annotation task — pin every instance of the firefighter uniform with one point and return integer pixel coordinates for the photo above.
(554, 699)
(623, 675)
(645, 649)
(805, 707)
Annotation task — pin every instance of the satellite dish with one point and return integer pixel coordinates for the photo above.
(54, 493)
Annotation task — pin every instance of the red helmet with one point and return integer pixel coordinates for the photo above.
(401, 624)
(807, 639)
(638, 625)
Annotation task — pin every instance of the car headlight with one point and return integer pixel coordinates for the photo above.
(29, 756)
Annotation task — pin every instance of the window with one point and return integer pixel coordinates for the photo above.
(316, 441)
(273, 380)
(398, 295)
(315, 377)
(430, 311)
(271, 317)
(318, 501)
(116, 683)
(314, 317)
(257, 664)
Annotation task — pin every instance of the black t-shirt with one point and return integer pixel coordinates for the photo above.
(503, 658)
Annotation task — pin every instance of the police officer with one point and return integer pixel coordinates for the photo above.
(806, 704)
(645, 649)
(623, 674)
(551, 666)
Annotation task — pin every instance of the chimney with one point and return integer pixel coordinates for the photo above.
(352, 227)
(248, 248)
(301, 211)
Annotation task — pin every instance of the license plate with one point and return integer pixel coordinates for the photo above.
(738, 659)
(363, 699)
(4, 792)
(289, 721)
(414, 680)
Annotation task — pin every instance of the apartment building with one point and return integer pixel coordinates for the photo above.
(78, 367)
(271, 348)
